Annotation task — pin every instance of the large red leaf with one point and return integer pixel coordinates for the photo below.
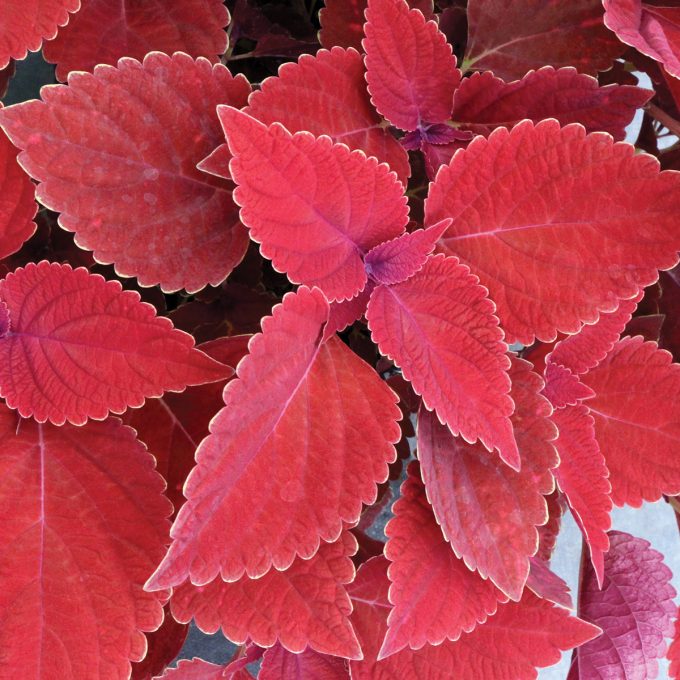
(132, 29)
(654, 31)
(299, 412)
(483, 101)
(410, 68)
(17, 207)
(305, 605)
(439, 327)
(637, 420)
(512, 37)
(115, 153)
(584, 479)
(279, 664)
(24, 25)
(435, 596)
(314, 206)
(326, 94)
(524, 235)
(78, 346)
(509, 646)
(634, 608)
(84, 522)
(488, 512)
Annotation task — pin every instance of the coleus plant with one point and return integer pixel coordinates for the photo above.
(412, 220)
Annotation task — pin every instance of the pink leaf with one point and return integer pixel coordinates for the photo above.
(133, 29)
(634, 608)
(439, 327)
(584, 479)
(279, 664)
(512, 38)
(484, 102)
(673, 654)
(435, 596)
(563, 388)
(509, 646)
(115, 153)
(636, 414)
(410, 69)
(525, 235)
(255, 501)
(547, 584)
(326, 94)
(488, 512)
(85, 522)
(78, 347)
(315, 223)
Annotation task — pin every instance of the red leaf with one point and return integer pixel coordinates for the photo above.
(6, 74)
(435, 596)
(487, 511)
(133, 29)
(510, 39)
(345, 313)
(563, 388)
(585, 350)
(314, 223)
(634, 608)
(548, 532)
(410, 69)
(305, 605)
(78, 347)
(439, 327)
(484, 102)
(279, 664)
(326, 94)
(547, 585)
(116, 154)
(509, 646)
(673, 654)
(654, 31)
(17, 207)
(523, 248)
(194, 669)
(256, 501)
(24, 26)
(85, 521)
(584, 479)
(399, 259)
(636, 414)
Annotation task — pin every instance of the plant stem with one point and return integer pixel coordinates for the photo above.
(662, 117)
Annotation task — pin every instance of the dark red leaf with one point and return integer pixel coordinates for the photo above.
(279, 664)
(345, 313)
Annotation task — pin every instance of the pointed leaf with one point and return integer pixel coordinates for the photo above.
(410, 68)
(511, 38)
(636, 412)
(300, 411)
(115, 153)
(345, 313)
(548, 532)
(523, 248)
(435, 596)
(85, 521)
(305, 605)
(326, 94)
(194, 669)
(563, 388)
(584, 479)
(484, 102)
(634, 608)
(547, 585)
(279, 664)
(315, 223)
(439, 327)
(78, 347)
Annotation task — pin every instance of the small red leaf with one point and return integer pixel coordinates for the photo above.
(194, 669)
(548, 532)
(326, 94)
(488, 512)
(256, 501)
(79, 347)
(115, 153)
(279, 664)
(563, 388)
(484, 102)
(315, 223)
(345, 313)
(636, 412)
(547, 584)
(524, 249)
(435, 596)
(133, 29)
(511, 38)
(439, 327)
(410, 69)
(634, 608)
(85, 521)
(584, 479)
